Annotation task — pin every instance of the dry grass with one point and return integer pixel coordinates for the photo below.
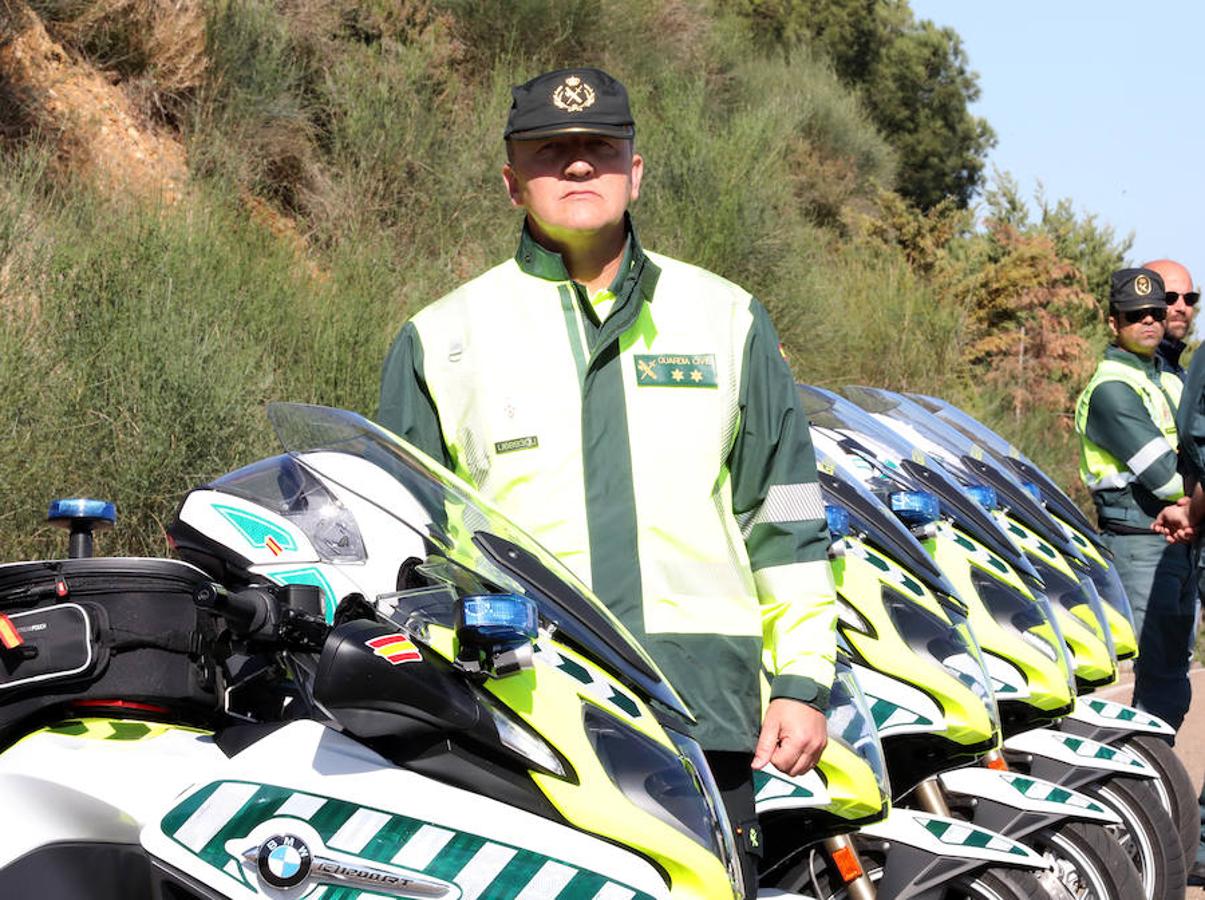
(155, 48)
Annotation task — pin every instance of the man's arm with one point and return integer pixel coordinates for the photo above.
(406, 406)
(776, 497)
(1119, 422)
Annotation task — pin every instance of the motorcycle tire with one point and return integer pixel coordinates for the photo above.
(1176, 791)
(1088, 861)
(1144, 835)
(818, 878)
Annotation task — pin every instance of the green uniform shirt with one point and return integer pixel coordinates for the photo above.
(661, 453)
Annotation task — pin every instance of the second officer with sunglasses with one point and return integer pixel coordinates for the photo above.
(1126, 420)
(1181, 304)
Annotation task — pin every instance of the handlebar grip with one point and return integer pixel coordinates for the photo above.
(248, 610)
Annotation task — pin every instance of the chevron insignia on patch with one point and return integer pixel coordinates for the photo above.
(395, 649)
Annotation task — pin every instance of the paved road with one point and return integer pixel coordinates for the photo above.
(1190, 742)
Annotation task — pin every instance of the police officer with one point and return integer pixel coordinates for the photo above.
(1126, 422)
(635, 414)
(1181, 305)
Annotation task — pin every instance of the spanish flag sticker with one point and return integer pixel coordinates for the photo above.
(395, 648)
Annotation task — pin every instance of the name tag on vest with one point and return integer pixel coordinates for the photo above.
(675, 370)
(523, 443)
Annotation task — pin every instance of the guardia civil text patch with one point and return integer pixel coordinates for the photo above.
(675, 370)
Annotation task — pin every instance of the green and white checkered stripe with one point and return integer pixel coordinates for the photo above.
(775, 791)
(888, 715)
(482, 869)
(1094, 750)
(960, 834)
(1118, 712)
(979, 554)
(892, 573)
(594, 683)
(1051, 793)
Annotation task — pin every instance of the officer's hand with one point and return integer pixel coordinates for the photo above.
(793, 735)
(1174, 524)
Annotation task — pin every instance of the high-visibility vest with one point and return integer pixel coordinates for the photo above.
(1110, 479)
(524, 407)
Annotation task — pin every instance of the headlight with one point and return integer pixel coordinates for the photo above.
(522, 740)
(676, 788)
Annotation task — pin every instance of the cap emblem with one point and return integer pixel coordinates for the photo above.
(1142, 285)
(573, 95)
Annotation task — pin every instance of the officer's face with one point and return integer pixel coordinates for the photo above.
(1179, 314)
(1140, 337)
(573, 186)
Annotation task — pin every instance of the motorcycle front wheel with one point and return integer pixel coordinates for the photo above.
(1175, 788)
(1146, 834)
(1088, 861)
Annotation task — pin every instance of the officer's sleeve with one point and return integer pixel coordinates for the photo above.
(1190, 420)
(406, 406)
(777, 500)
(1119, 422)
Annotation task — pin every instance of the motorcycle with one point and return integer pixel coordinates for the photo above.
(397, 693)
(874, 453)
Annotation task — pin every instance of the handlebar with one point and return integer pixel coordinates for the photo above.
(272, 614)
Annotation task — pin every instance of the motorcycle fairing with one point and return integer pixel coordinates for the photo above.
(1078, 751)
(1103, 713)
(361, 806)
(94, 780)
(946, 836)
(1024, 792)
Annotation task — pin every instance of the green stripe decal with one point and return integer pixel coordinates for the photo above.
(454, 856)
(382, 847)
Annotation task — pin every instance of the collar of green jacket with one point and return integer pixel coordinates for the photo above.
(1149, 365)
(634, 269)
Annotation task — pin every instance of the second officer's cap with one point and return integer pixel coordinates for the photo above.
(1136, 289)
(569, 101)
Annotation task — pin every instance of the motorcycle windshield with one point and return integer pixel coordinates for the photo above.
(889, 459)
(1111, 591)
(962, 456)
(466, 530)
(1008, 454)
(850, 721)
(877, 525)
(1073, 594)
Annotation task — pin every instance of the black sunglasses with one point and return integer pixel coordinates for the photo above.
(1190, 297)
(1134, 316)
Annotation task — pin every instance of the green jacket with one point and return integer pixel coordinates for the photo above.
(1125, 418)
(1190, 420)
(661, 454)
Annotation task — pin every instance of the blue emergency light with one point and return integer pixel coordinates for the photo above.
(838, 520)
(100, 512)
(1032, 487)
(81, 516)
(983, 495)
(914, 508)
(497, 620)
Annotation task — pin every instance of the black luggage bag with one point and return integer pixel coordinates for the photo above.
(102, 634)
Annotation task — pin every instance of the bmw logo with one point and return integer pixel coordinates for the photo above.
(284, 861)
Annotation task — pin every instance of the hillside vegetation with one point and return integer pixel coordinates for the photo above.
(343, 170)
